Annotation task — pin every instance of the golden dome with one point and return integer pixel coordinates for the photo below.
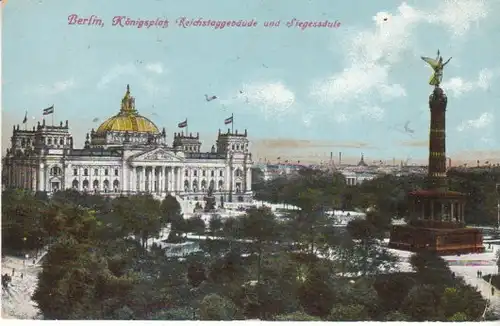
(128, 119)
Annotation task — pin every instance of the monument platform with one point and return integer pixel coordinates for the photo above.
(443, 239)
(437, 225)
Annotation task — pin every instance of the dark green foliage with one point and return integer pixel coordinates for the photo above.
(196, 272)
(392, 289)
(296, 316)
(100, 267)
(422, 303)
(354, 312)
(317, 293)
(215, 307)
(396, 316)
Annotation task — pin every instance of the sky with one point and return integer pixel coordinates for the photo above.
(302, 93)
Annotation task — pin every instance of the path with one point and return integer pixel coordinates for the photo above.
(16, 301)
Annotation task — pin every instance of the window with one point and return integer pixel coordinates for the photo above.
(116, 172)
(238, 147)
(212, 173)
(75, 171)
(49, 141)
(233, 147)
(186, 173)
(96, 172)
(61, 141)
(86, 172)
(221, 173)
(106, 171)
(203, 173)
(195, 173)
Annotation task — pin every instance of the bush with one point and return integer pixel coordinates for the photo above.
(296, 316)
(353, 312)
(215, 307)
(396, 316)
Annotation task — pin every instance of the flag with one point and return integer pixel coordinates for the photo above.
(228, 120)
(48, 110)
(25, 117)
(183, 124)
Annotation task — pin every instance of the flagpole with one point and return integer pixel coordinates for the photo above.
(53, 114)
(232, 123)
(187, 127)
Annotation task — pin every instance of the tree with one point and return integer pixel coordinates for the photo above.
(369, 256)
(396, 316)
(296, 316)
(354, 312)
(215, 224)
(170, 209)
(422, 303)
(22, 214)
(317, 293)
(140, 215)
(215, 307)
(195, 225)
(76, 284)
(196, 272)
(259, 224)
(431, 269)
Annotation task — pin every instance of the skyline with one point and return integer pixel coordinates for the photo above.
(301, 94)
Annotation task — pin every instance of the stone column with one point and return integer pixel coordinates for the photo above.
(249, 180)
(170, 180)
(462, 210)
(143, 178)
(452, 211)
(174, 173)
(442, 211)
(180, 176)
(41, 177)
(135, 179)
(150, 179)
(228, 178)
(432, 209)
(161, 183)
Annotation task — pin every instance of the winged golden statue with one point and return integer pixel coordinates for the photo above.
(437, 65)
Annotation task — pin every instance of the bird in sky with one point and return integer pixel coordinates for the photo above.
(407, 128)
(210, 98)
(95, 119)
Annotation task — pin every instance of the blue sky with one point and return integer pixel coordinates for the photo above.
(306, 93)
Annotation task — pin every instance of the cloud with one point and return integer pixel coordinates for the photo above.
(57, 87)
(157, 68)
(458, 86)
(151, 85)
(371, 54)
(272, 98)
(415, 143)
(482, 121)
(374, 112)
(459, 15)
(116, 72)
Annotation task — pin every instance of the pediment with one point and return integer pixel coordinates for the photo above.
(157, 155)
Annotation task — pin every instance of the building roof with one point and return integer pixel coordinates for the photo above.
(128, 119)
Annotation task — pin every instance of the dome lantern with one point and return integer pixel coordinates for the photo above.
(128, 119)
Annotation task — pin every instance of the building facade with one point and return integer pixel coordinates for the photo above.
(128, 154)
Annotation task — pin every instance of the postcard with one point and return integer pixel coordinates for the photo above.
(250, 160)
